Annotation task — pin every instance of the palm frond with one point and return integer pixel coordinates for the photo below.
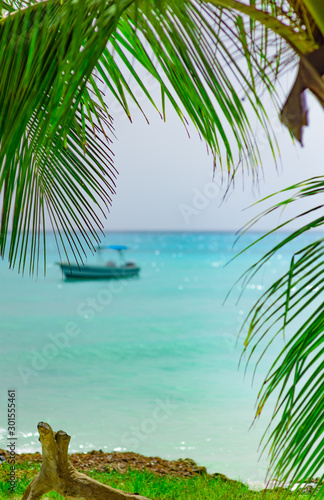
(196, 52)
(212, 65)
(293, 304)
(288, 19)
(52, 111)
(316, 9)
(52, 159)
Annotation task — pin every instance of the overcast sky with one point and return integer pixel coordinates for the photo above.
(163, 175)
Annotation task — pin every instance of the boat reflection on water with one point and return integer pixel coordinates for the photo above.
(109, 270)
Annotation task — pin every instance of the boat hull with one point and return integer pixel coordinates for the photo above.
(72, 271)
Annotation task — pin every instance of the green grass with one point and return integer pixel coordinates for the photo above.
(149, 485)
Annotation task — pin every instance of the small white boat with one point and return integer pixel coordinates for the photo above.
(109, 270)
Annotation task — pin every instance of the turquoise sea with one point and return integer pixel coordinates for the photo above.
(148, 365)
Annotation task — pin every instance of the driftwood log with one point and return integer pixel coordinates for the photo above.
(58, 474)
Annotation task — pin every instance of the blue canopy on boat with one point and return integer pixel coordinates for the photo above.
(114, 247)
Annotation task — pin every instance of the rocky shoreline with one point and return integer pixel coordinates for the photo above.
(125, 461)
(122, 462)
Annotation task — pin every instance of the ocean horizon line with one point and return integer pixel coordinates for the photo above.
(192, 231)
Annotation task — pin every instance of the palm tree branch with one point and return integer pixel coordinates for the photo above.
(300, 41)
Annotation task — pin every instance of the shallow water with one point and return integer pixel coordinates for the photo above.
(148, 365)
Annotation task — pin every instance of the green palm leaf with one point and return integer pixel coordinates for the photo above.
(52, 159)
(53, 113)
(293, 304)
(188, 71)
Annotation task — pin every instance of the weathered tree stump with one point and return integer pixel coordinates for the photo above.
(58, 474)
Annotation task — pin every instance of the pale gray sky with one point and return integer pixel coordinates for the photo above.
(162, 173)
